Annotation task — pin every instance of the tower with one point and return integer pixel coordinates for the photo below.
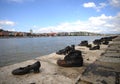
(31, 31)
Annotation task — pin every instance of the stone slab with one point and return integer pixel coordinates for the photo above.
(110, 59)
(106, 69)
(113, 55)
(102, 73)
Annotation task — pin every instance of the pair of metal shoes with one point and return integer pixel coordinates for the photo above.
(66, 50)
(83, 43)
(97, 47)
(73, 59)
(30, 68)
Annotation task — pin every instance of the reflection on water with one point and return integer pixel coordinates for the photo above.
(14, 50)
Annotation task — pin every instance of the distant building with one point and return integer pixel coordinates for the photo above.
(62, 34)
(31, 31)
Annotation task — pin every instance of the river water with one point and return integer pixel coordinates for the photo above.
(13, 50)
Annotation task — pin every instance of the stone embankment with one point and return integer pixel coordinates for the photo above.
(100, 67)
(106, 69)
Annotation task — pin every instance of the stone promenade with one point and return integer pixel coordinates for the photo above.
(100, 67)
(106, 69)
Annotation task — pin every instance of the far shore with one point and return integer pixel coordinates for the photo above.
(4, 37)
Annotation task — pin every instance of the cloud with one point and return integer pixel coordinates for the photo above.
(100, 24)
(7, 25)
(115, 3)
(7, 22)
(116, 22)
(93, 5)
(11, 29)
(89, 5)
(101, 20)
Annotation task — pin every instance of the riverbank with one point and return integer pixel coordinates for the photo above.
(50, 72)
(22, 49)
(106, 69)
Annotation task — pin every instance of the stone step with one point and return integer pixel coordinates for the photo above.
(114, 55)
(106, 69)
(111, 51)
(99, 74)
(114, 43)
(116, 39)
(109, 59)
(114, 46)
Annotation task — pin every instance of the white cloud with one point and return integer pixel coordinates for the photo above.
(93, 5)
(101, 20)
(7, 22)
(100, 24)
(116, 22)
(89, 5)
(6, 25)
(11, 29)
(115, 3)
(101, 5)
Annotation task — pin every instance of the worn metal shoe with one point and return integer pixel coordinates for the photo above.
(66, 50)
(24, 70)
(21, 71)
(70, 63)
(83, 43)
(35, 67)
(95, 47)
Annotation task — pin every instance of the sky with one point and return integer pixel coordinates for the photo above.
(45, 16)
